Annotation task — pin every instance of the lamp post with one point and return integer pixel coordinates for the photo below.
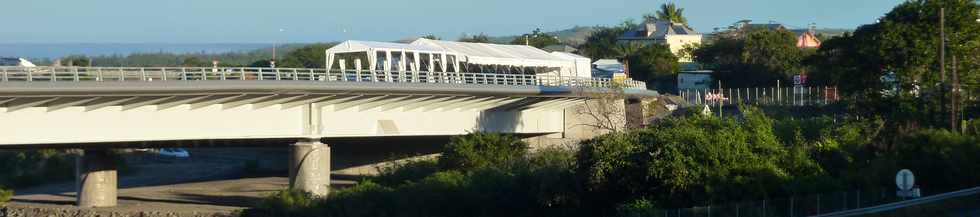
(275, 44)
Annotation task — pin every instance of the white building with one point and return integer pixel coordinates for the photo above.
(700, 79)
(674, 35)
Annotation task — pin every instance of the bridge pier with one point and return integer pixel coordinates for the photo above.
(95, 179)
(309, 167)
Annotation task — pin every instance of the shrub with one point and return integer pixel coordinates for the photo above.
(972, 127)
(941, 160)
(5, 194)
(27, 168)
(401, 172)
(288, 202)
(511, 182)
(637, 208)
(688, 161)
(482, 150)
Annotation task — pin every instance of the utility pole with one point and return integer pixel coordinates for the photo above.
(954, 99)
(720, 99)
(942, 63)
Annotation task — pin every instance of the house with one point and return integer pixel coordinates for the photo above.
(805, 38)
(699, 79)
(605, 68)
(675, 35)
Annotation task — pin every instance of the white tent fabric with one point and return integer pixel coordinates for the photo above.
(449, 55)
(361, 46)
(372, 48)
(496, 54)
(578, 65)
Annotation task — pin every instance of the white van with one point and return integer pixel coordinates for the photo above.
(19, 62)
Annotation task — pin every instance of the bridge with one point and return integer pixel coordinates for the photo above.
(100, 108)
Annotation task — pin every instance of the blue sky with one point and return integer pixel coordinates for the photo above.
(247, 21)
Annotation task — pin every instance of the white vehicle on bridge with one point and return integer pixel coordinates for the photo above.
(18, 62)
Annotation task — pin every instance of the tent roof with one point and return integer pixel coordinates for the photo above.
(568, 56)
(497, 54)
(361, 46)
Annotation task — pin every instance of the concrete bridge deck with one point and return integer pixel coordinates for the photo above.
(89, 107)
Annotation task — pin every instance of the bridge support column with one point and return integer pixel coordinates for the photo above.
(95, 179)
(309, 167)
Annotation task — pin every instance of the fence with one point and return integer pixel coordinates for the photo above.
(789, 207)
(790, 96)
(147, 74)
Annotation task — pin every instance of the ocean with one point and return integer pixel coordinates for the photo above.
(57, 50)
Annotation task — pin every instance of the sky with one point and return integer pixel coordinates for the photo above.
(303, 21)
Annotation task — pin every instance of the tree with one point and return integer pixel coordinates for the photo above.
(431, 37)
(482, 150)
(194, 62)
(76, 60)
(536, 39)
(668, 12)
(602, 43)
(308, 56)
(481, 38)
(758, 59)
(682, 162)
(654, 62)
(627, 51)
(905, 42)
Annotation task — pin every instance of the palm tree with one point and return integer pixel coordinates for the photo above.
(625, 51)
(670, 12)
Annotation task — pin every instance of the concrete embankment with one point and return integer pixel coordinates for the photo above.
(13, 210)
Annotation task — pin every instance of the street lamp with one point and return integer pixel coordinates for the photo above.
(275, 44)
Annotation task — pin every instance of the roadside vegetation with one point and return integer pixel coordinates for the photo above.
(30, 167)
(5, 194)
(679, 162)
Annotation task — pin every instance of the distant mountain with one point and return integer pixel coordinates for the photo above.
(57, 50)
(574, 36)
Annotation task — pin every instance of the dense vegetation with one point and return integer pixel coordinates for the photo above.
(27, 168)
(290, 55)
(5, 195)
(679, 162)
(24, 168)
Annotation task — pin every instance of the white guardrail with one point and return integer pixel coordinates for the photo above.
(154, 74)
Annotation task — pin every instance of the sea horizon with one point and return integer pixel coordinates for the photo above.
(32, 50)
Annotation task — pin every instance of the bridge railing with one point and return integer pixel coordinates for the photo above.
(154, 74)
(782, 96)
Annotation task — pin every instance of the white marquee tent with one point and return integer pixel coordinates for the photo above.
(450, 56)
(580, 66)
(349, 54)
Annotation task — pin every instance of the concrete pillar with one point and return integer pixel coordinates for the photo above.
(95, 179)
(309, 167)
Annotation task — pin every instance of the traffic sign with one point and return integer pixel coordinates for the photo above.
(905, 180)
